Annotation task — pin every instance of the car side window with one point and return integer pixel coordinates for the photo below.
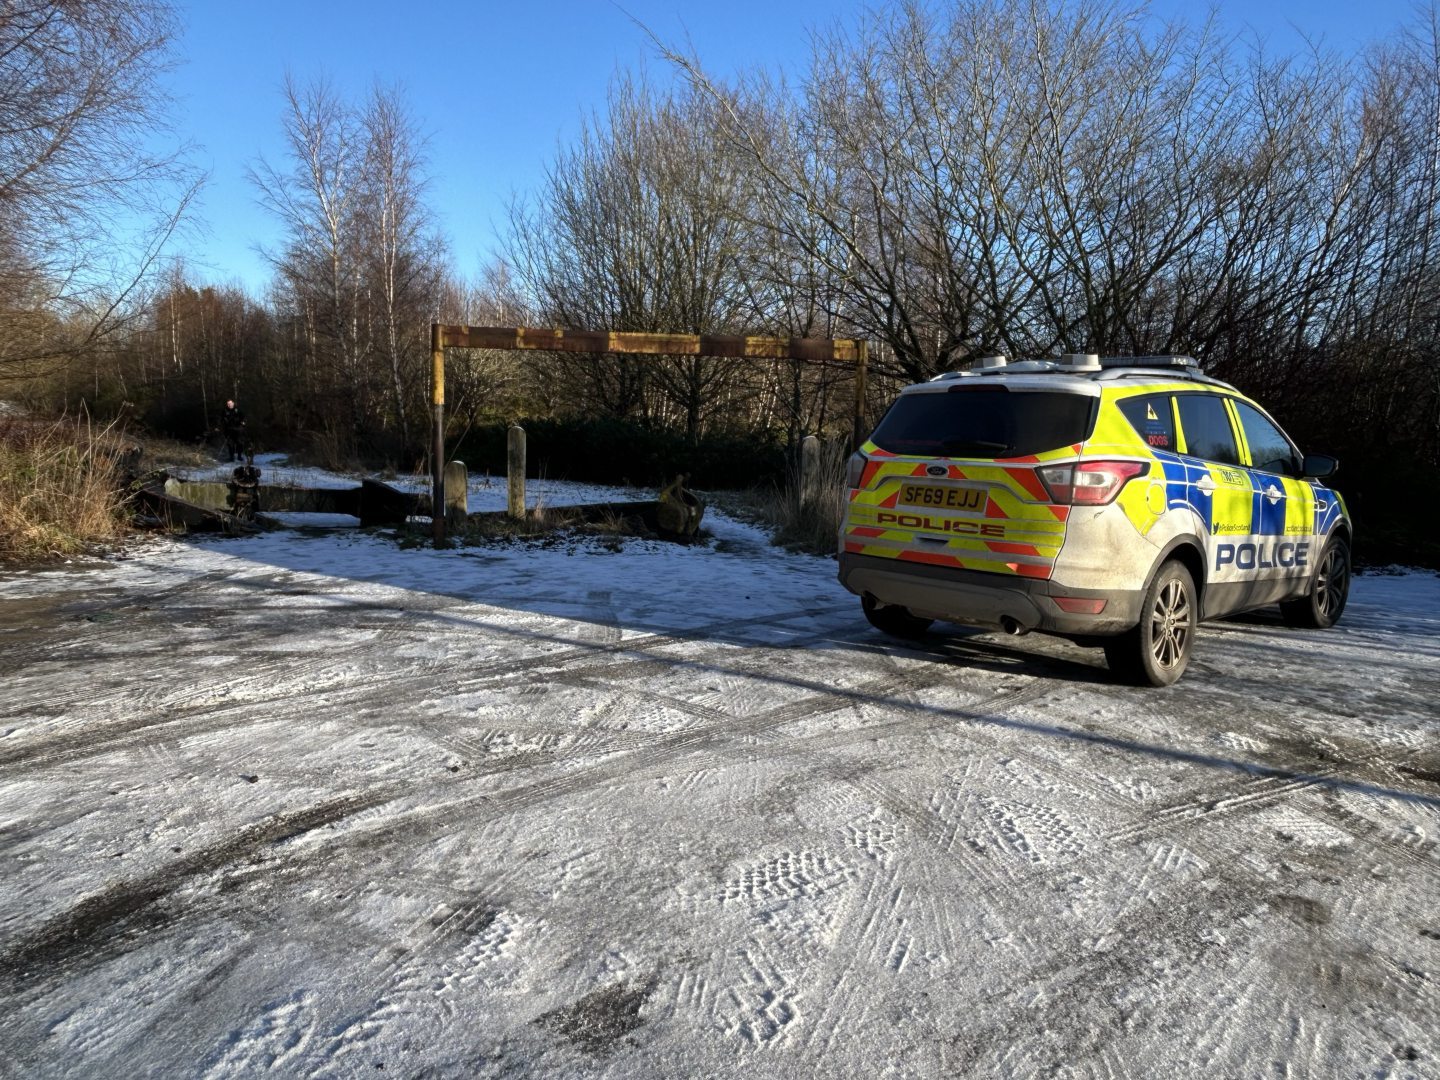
(1206, 424)
(1152, 418)
(1270, 450)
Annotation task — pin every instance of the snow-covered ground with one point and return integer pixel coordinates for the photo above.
(312, 805)
(483, 492)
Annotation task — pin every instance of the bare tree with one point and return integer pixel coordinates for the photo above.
(637, 229)
(361, 265)
(1025, 178)
(316, 196)
(85, 207)
(403, 254)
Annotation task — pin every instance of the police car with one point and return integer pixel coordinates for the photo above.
(1115, 501)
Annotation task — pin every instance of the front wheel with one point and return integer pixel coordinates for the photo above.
(894, 619)
(1157, 651)
(1322, 607)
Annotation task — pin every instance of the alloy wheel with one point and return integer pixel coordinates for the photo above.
(1170, 625)
(1331, 583)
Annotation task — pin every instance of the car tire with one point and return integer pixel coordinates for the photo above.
(1322, 606)
(894, 619)
(1157, 650)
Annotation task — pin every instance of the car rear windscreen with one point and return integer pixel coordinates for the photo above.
(984, 422)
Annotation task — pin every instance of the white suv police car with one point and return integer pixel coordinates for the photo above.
(1113, 501)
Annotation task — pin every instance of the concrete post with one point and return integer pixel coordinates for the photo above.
(516, 468)
(809, 470)
(457, 490)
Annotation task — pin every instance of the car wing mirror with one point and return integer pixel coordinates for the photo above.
(1319, 466)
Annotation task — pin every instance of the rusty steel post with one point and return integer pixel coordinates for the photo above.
(437, 449)
(862, 361)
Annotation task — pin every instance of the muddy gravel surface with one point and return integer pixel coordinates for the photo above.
(309, 804)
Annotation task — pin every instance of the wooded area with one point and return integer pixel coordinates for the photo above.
(946, 181)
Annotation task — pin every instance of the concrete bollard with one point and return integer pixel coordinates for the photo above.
(457, 504)
(809, 470)
(516, 468)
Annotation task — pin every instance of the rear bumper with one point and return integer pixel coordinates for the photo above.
(977, 598)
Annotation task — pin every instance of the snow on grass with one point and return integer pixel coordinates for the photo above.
(485, 493)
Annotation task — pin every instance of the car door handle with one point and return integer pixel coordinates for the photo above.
(1206, 484)
(1274, 494)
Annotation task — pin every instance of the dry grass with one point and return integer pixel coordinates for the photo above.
(61, 488)
(174, 452)
(548, 521)
(809, 519)
(538, 521)
(328, 449)
(542, 525)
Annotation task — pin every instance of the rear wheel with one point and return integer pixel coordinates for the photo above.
(894, 619)
(1329, 590)
(1157, 651)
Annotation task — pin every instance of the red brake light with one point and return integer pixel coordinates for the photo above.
(1089, 483)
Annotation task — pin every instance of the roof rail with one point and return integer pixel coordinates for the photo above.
(1162, 361)
(1178, 374)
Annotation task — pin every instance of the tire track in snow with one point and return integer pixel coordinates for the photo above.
(1253, 792)
(681, 746)
(1331, 767)
(924, 875)
(72, 932)
(1419, 853)
(835, 998)
(1216, 1015)
(496, 805)
(87, 927)
(402, 985)
(1213, 804)
(284, 703)
(410, 979)
(999, 893)
(880, 930)
(1075, 990)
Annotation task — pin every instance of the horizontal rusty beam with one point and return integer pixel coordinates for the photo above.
(842, 350)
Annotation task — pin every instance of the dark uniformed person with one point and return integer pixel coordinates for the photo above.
(232, 424)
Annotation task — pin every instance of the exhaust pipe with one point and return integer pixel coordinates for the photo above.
(1011, 626)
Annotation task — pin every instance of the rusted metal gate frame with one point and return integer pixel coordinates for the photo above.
(853, 351)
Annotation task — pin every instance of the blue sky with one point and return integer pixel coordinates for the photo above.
(497, 86)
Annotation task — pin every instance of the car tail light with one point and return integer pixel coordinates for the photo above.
(854, 470)
(1089, 483)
